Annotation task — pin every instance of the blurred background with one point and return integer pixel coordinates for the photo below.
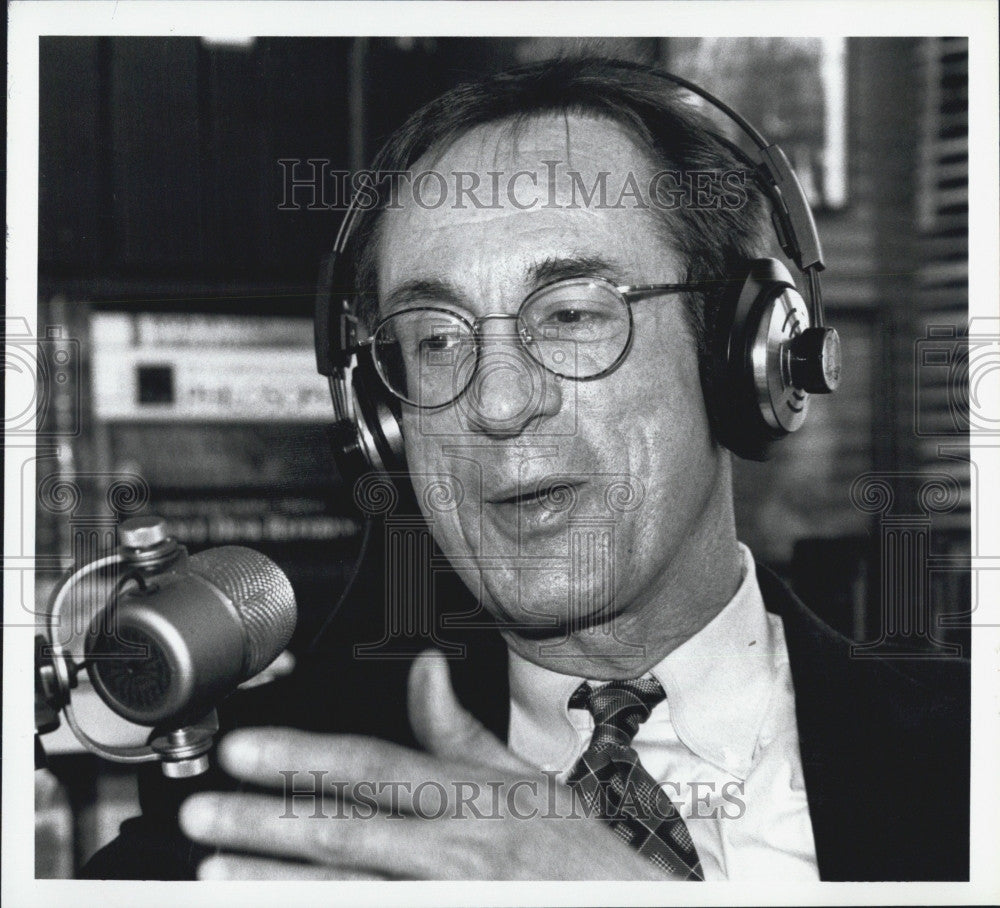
(181, 225)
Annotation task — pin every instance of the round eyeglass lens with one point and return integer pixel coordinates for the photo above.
(419, 354)
(576, 328)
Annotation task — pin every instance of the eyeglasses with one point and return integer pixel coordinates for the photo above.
(577, 328)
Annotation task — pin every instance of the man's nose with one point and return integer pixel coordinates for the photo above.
(510, 392)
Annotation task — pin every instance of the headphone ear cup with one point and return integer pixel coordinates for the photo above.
(371, 441)
(377, 418)
(745, 379)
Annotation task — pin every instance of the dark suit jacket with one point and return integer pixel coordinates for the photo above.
(884, 745)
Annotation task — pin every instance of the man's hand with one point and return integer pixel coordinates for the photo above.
(467, 808)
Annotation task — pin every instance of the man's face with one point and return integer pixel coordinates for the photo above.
(646, 485)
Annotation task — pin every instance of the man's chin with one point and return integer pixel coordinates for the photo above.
(548, 611)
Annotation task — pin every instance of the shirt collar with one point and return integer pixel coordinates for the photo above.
(541, 729)
(718, 684)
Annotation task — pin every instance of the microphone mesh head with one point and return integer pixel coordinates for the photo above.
(261, 593)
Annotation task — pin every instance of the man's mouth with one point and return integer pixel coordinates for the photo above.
(551, 493)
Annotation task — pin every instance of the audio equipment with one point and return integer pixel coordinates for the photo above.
(176, 636)
(768, 350)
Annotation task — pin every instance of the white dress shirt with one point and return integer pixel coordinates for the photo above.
(723, 744)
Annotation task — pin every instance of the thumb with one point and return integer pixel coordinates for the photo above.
(442, 725)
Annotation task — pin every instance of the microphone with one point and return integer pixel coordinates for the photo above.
(169, 651)
(177, 636)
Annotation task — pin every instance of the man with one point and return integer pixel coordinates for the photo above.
(674, 712)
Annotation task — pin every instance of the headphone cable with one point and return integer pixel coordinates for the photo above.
(366, 534)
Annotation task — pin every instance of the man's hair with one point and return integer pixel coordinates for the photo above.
(713, 239)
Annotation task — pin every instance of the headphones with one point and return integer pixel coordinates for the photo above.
(767, 350)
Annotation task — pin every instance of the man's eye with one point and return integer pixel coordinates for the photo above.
(435, 343)
(575, 318)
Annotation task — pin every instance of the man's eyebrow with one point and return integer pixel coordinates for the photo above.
(563, 267)
(417, 291)
(429, 291)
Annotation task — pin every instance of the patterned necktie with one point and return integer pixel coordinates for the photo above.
(614, 784)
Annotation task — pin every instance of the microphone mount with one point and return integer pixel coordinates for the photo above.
(145, 551)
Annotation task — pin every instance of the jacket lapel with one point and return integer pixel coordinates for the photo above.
(817, 656)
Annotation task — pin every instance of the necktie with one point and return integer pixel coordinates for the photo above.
(612, 781)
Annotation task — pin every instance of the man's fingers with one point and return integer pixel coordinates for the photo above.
(275, 757)
(375, 772)
(441, 724)
(401, 847)
(233, 867)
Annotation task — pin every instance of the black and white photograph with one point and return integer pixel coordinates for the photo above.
(501, 453)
